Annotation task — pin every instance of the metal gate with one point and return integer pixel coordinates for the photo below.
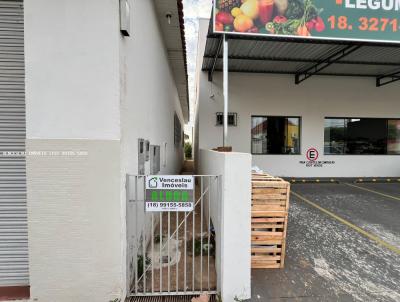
(13, 207)
(172, 253)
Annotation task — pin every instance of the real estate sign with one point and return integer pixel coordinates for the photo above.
(356, 20)
(169, 193)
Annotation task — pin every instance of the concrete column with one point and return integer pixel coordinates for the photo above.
(232, 221)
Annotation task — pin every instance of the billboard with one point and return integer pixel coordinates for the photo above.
(354, 20)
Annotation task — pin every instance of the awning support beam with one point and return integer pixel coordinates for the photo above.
(313, 70)
(387, 79)
(303, 60)
(216, 57)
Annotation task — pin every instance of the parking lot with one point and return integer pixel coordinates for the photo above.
(343, 244)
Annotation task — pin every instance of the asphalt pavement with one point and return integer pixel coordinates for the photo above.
(343, 244)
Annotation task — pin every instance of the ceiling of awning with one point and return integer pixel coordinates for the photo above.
(255, 54)
(174, 39)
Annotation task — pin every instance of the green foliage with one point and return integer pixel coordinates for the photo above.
(188, 150)
(157, 239)
(140, 260)
(206, 247)
(295, 9)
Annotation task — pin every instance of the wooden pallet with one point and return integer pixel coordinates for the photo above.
(270, 205)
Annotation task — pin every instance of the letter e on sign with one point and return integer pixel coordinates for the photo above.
(312, 154)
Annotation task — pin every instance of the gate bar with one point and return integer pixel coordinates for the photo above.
(177, 252)
(201, 235)
(209, 234)
(170, 236)
(173, 234)
(193, 234)
(161, 242)
(144, 241)
(169, 257)
(185, 247)
(152, 252)
(136, 235)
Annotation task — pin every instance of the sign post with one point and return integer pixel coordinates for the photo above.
(169, 193)
(352, 20)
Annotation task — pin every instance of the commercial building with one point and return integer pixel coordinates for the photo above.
(302, 108)
(295, 94)
(86, 88)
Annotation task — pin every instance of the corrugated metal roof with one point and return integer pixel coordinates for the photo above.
(271, 55)
(174, 39)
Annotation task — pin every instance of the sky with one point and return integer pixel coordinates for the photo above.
(193, 9)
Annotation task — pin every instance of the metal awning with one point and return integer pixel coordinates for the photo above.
(304, 58)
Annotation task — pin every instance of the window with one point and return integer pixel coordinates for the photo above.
(393, 141)
(275, 135)
(366, 136)
(232, 119)
(335, 136)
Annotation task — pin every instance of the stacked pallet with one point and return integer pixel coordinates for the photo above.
(269, 219)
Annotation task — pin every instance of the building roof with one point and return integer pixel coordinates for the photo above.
(304, 58)
(174, 39)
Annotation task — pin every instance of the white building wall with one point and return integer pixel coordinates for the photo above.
(149, 97)
(231, 217)
(149, 100)
(89, 89)
(71, 47)
(312, 100)
(72, 97)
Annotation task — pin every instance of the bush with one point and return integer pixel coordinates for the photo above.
(188, 150)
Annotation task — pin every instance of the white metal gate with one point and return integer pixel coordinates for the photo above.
(13, 207)
(172, 253)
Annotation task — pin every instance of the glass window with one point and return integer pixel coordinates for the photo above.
(365, 136)
(335, 142)
(232, 119)
(275, 135)
(393, 142)
(292, 144)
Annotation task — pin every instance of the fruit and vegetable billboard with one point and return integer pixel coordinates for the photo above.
(356, 20)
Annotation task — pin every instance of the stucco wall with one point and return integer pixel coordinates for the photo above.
(74, 221)
(149, 96)
(73, 104)
(72, 69)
